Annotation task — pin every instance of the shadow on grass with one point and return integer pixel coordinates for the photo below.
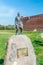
(1, 61)
(38, 42)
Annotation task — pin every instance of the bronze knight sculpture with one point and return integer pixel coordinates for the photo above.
(18, 23)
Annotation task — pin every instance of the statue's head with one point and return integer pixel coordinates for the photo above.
(18, 14)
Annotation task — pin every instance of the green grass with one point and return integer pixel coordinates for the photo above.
(37, 42)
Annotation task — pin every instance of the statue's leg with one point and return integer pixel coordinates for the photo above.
(20, 30)
(16, 30)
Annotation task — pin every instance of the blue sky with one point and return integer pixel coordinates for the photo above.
(9, 9)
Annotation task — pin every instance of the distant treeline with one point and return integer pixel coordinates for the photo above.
(7, 27)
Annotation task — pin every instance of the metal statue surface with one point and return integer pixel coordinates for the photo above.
(18, 24)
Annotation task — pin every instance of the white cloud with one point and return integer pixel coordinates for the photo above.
(6, 22)
(6, 11)
(6, 14)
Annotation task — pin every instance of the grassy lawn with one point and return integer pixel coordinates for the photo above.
(37, 42)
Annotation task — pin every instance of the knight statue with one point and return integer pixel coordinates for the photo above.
(18, 23)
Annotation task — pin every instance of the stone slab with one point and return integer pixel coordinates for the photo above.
(20, 51)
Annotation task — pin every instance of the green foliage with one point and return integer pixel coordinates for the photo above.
(1, 27)
(9, 27)
(40, 60)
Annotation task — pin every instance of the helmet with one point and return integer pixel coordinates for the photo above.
(18, 14)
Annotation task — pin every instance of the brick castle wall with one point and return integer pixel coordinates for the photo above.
(33, 22)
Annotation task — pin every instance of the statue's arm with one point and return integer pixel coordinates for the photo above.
(15, 23)
(21, 21)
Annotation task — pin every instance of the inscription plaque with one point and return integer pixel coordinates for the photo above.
(22, 52)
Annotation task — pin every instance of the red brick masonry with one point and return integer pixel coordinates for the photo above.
(33, 22)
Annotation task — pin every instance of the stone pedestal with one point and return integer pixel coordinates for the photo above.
(20, 51)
